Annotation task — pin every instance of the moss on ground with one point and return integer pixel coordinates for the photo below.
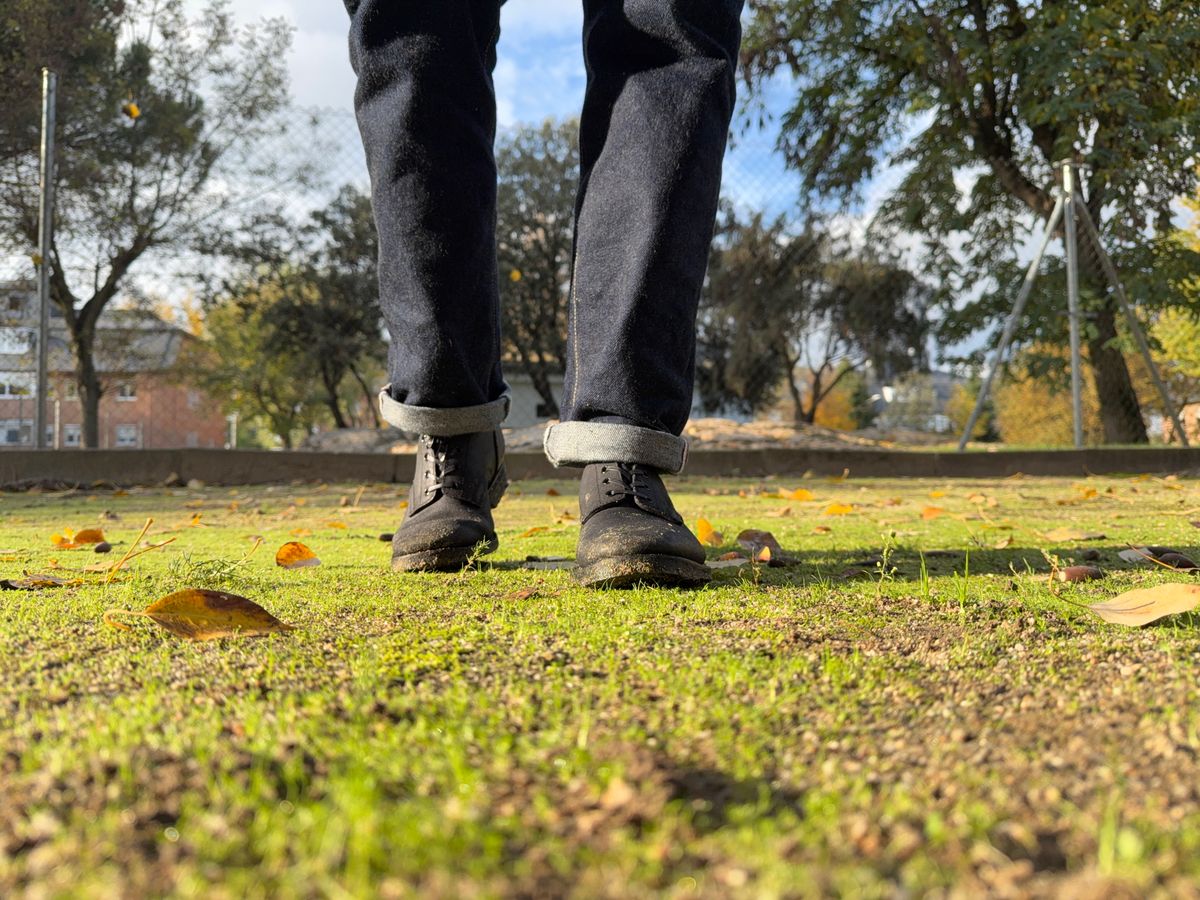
(908, 709)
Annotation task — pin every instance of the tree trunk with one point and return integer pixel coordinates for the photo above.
(1120, 411)
(332, 400)
(541, 383)
(370, 397)
(89, 392)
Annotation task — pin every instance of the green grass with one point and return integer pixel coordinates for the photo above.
(880, 718)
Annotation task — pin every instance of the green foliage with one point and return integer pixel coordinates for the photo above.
(538, 170)
(799, 311)
(320, 281)
(978, 103)
(238, 365)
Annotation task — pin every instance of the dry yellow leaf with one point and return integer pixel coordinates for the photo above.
(202, 615)
(822, 529)
(932, 512)
(707, 535)
(89, 536)
(294, 555)
(839, 509)
(801, 495)
(536, 529)
(936, 495)
(336, 524)
(1147, 605)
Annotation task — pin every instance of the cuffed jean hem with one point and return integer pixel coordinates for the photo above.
(442, 422)
(579, 444)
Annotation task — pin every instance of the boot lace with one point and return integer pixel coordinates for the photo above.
(625, 480)
(440, 467)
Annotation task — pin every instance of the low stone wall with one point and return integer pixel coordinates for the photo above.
(141, 467)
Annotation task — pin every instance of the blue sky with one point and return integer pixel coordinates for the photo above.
(539, 74)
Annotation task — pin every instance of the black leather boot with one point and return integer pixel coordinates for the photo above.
(630, 532)
(457, 483)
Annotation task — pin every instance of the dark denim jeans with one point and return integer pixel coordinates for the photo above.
(660, 95)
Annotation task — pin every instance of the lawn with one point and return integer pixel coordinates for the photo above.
(909, 708)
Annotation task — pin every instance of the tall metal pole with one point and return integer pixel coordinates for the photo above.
(45, 240)
(1014, 319)
(1072, 244)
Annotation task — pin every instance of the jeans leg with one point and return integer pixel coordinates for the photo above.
(427, 113)
(660, 96)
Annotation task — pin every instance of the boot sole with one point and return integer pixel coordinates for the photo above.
(443, 559)
(652, 570)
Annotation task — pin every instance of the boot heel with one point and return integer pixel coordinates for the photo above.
(498, 487)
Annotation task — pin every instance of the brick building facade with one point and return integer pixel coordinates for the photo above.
(145, 404)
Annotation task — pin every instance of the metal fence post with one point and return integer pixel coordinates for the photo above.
(1073, 303)
(45, 241)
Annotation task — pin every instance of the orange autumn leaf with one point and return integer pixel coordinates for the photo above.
(294, 555)
(801, 494)
(536, 529)
(202, 615)
(839, 509)
(89, 536)
(300, 532)
(707, 535)
(336, 524)
(936, 495)
(822, 529)
(763, 555)
(932, 512)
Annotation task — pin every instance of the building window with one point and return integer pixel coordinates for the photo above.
(126, 390)
(15, 384)
(127, 435)
(15, 432)
(72, 435)
(15, 303)
(193, 399)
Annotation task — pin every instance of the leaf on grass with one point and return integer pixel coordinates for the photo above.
(752, 540)
(336, 524)
(1003, 544)
(536, 529)
(300, 532)
(822, 529)
(936, 495)
(779, 513)
(1078, 573)
(1147, 605)
(36, 582)
(1072, 534)
(707, 535)
(730, 563)
(839, 509)
(201, 615)
(932, 512)
(801, 495)
(89, 536)
(294, 555)
(551, 492)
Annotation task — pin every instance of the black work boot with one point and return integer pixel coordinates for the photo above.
(630, 533)
(457, 483)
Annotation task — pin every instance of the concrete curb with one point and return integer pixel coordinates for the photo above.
(130, 467)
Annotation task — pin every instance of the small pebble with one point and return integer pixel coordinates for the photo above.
(386, 536)
(103, 547)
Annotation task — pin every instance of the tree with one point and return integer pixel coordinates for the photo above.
(978, 101)
(328, 312)
(236, 364)
(164, 112)
(538, 171)
(796, 310)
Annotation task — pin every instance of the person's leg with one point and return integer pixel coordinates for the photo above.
(427, 113)
(656, 117)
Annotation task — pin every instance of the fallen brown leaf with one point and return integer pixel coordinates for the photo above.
(203, 615)
(1141, 607)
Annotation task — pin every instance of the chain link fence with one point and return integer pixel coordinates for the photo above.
(814, 331)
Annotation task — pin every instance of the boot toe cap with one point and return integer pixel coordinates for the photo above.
(625, 532)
